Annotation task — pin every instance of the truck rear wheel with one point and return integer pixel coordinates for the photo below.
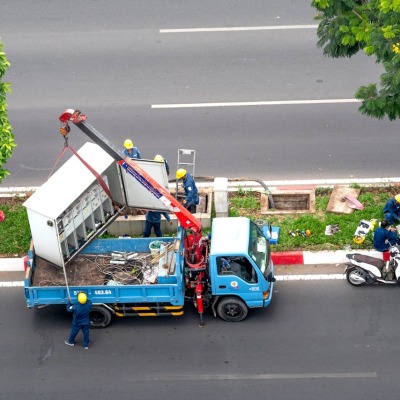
(232, 309)
(100, 317)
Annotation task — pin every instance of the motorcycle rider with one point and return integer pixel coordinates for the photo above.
(385, 236)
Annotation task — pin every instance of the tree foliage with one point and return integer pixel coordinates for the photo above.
(373, 26)
(7, 142)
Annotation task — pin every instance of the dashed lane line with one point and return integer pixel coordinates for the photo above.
(219, 377)
(253, 103)
(12, 284)
(238, 28)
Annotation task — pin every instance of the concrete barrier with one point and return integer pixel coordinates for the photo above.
(133, 225)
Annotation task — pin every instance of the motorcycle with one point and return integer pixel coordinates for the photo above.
(365, 270)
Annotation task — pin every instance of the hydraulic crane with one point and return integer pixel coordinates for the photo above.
(196, 247)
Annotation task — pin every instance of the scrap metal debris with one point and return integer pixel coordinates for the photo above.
(332, 229)
(98, 270)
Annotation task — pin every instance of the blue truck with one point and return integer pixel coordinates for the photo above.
(239, 276)
(228, 271)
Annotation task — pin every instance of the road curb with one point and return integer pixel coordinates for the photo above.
(279, 258)
(12, 264)
(321, 257)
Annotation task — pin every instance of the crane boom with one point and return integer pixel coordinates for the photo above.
(186, 219)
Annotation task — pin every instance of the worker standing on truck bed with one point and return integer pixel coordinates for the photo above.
(153, 220)
(81, 320)
(192, 198)
(131, 151)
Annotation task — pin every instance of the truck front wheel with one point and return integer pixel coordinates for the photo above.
(232, 309)
(100, 317)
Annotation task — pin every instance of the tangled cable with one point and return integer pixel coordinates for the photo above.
(97, 270)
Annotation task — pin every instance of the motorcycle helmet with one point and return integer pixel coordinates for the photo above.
(394, 251)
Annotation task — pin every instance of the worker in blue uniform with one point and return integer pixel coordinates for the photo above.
(153, 220)
(385, 236)
(131, 151)
(160, 158)
(81, 320)
(392, 210)
(192, 197)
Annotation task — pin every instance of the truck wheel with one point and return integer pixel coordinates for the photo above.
(232, 310)
(100, 317)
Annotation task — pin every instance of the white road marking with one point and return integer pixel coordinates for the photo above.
(217, 377)
(239, 28)
(12, 284)
(255, 103)
(12, 191)
(321, 277)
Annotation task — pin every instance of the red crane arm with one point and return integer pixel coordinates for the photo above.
(186, 219)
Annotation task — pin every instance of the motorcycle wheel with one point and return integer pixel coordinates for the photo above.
(353, 275)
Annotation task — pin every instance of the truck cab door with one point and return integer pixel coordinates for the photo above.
(237, 276)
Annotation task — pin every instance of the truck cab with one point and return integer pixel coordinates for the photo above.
(240, 268)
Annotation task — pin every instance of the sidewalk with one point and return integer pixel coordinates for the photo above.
(283, 258)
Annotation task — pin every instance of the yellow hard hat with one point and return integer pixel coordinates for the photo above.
(359, 239)
(180, 173)
(128, 144)
(397, 197)
(82, 298)
(159, 158)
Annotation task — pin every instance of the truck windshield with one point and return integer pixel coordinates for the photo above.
(259, 249)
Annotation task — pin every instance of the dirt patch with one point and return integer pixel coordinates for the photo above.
(82, 271)
(15, 201)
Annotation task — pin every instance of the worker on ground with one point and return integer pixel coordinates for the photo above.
(191, 195)
(153, 220)
(385, 236)
(81, 320)
(131, 151)
(392, 210)
(162, 159)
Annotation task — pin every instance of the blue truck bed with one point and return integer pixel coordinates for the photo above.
(168, 288)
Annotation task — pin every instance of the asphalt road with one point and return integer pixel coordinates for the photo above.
(115, 63)
(318, 339)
